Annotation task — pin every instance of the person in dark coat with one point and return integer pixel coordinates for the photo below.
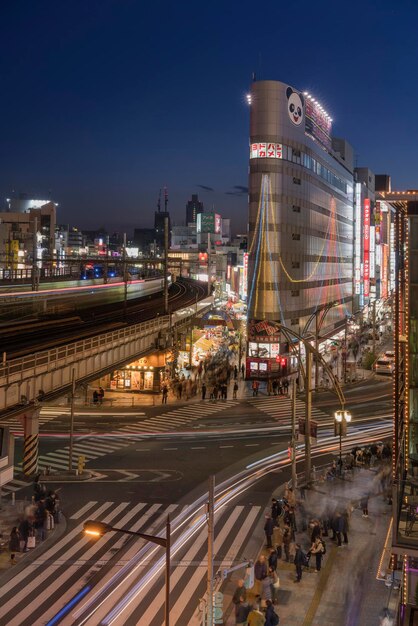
(25, 528)
(14, 543)
(316, 530)
(272, 560)
(240, 595)
(338, 523)
(276, 509)
(299, 562)
(203, 391)
(344, 526)
(241, 613)
(268, 529)
(260, 572)
(271, 619)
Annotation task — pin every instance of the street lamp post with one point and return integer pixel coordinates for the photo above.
(98, 529)
(342, 418)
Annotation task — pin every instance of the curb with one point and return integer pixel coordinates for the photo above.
(62, 478)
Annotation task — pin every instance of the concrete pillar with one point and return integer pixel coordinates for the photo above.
(31, 441)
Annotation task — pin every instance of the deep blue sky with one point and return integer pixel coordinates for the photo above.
(105, 101)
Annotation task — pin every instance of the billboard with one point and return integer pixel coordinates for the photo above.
(245, 276)
(208, 223)
(366, 248)
(318, 124)
(357, 241)
(265, 150)
(263, 330)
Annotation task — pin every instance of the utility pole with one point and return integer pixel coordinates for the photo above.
(211, 526)
(167, 572)
(293, 444)
(70, 455)
(166, 265)
(308, 412)
(125, 279)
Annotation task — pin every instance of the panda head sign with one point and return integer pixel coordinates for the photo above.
(295, 102)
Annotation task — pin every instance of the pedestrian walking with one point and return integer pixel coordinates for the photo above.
(268, 529)
(344, 526)
(235, 390)
(255, 387)
(101, 395)
(275, 386)
(286, 386)
(14, 543)
(95, 397)
(243, 370)
(299, 561)
(272, 560)
(25, 529)
(364, 503)
(165, 394)
(203, 391)
(269, 387)
(235, 372)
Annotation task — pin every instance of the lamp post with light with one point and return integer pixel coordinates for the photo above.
(342, 418)
(98, 529)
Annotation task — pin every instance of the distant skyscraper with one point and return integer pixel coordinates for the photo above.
(193, 207)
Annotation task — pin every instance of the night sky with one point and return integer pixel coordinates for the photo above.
(105, 101)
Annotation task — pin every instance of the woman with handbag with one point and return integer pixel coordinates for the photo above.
(275, 585)
(318, 550)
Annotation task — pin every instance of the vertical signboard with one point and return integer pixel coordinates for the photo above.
(392, 256)
(245, 276)
(384, 271)
(372, 263)
(357, 242)
(366, 248)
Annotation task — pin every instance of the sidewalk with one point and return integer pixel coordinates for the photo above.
(10, 515)
(346, 591)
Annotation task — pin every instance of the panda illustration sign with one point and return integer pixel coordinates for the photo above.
(295, 102)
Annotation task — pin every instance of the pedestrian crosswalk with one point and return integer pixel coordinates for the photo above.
(280, 408)
(93, 447)
(76, 564)
(45, 416)
(179, 417)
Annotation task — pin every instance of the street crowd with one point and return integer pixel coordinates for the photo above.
(300, 536)
(39, 517)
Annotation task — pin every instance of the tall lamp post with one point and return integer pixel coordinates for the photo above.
(342, 418)
(98, 529)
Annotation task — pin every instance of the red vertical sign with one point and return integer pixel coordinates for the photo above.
(366, 248)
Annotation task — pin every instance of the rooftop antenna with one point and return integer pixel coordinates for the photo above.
(165, 199)
(159, 202)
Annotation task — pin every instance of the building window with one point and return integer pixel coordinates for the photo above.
(294, 293)
(295, 265)
(296, 180)
(294, 321)
(296, 208)
(295, 236)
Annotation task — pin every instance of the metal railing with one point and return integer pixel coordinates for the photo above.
(46, 359)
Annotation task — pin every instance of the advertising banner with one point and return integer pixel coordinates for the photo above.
(366, 248)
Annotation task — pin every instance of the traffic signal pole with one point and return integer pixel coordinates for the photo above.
(211, 512)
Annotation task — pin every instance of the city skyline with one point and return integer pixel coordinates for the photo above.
(108, 103)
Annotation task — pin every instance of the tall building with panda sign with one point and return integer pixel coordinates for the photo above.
(300, 222)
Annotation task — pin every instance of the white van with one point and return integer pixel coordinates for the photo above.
(383, 366)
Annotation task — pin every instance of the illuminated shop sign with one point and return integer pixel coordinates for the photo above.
(366, 248)
(357, 244)
(263, 330)
(317, 123)
(384, 271)
(266, 151)
(392, 257)
(245, 275)
(372, 252)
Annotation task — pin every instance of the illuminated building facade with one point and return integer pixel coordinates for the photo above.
(301, 223)
(405, 395)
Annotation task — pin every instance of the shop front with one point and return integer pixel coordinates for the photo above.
(145, 375)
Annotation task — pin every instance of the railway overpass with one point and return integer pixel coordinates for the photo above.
(51, 370)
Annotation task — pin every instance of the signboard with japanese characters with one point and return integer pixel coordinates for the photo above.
(266, 151)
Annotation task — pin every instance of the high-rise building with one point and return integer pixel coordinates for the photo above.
(193, 207)
(300, 218)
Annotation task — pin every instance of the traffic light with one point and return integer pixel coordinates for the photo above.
(283, 365)
(81, 464)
